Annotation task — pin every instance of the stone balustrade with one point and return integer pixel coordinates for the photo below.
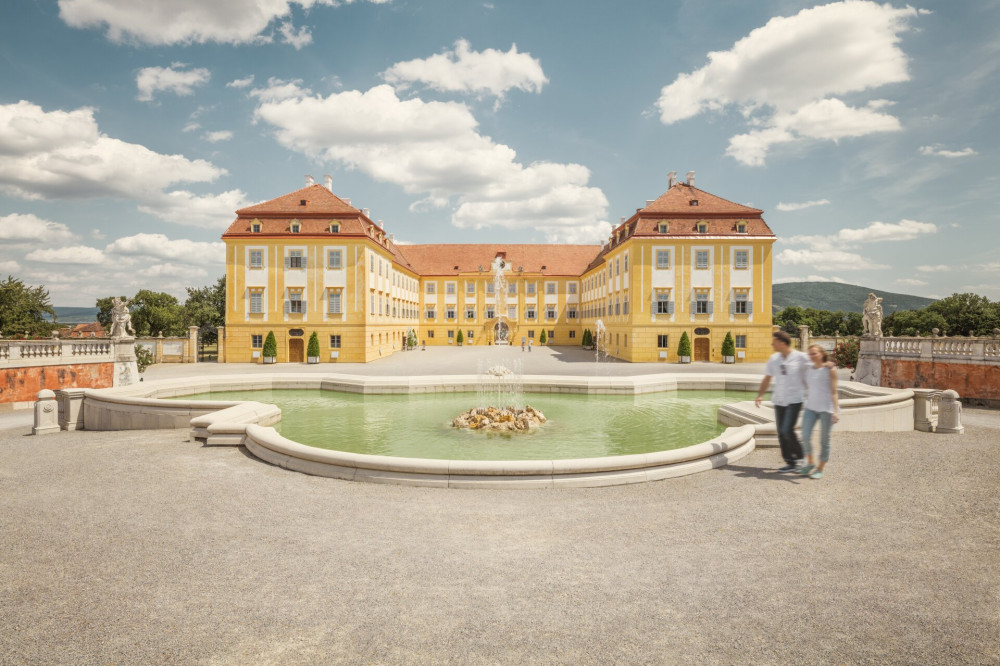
(23, 353)
(972, 350)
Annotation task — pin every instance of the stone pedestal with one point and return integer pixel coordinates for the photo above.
(803, 337)
(46, 414)
(70, 408)
(192, 344)
(925, 409)
(869, 370)
(949, 414)
(126, 368)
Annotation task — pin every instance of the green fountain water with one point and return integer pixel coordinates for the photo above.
(419, 425)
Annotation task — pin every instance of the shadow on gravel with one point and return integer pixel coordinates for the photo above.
(763, 474)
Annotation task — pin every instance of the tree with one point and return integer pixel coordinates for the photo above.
(460, 337)
(910, 322)
(588, 337)
(206, 309)
(790, 319)
(728, 345)
(104, 306)
(143, 358)
(155, 311)
(270, 346)
(684, 347)
(312, 349)
(542, 339)
(967, 312)
(23, 308)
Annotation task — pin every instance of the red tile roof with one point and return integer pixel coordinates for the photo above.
(318, 201)
(677, 201)
(471, 258)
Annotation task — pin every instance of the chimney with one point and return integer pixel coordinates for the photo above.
(622, 220)
(671, 179)
(328, 181)
(367, 213)
(309, 180)
(690, 178)
(381, 224)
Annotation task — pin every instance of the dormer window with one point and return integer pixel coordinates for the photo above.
(255, 227)
(334, 228)
(302, 202)
(741, 227)
(296, 227)
(693, 202)
(702, 228)
(663, 227)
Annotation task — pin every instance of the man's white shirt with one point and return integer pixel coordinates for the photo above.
(787, 375)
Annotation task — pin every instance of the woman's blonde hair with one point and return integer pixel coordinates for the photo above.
(826, 356)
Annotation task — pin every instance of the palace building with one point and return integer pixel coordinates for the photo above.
(308, 261)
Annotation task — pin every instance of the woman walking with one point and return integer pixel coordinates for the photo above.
(821, 405)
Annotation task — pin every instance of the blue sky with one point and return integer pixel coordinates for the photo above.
(130, 132)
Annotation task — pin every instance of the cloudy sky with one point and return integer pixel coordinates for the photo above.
(130, 131)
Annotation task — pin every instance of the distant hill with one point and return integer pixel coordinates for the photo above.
(835, 296)
(75, 315)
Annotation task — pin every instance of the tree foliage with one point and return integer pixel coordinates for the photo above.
(312, 349)
(270, 346)
(967, 313)
(729, 345)
(205, 308)
(846, 353)
(460, 338)
(156, 311)
(23, 309)
(143, 358)
(684, 347)
(820, 322)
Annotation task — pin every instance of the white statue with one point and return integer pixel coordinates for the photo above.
(872, 317)
(121, 319)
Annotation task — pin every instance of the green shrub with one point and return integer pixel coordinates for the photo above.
(542, 339)
(312, 349)
(143, 358)
(684, 348)
(846, 353)
(270, 345)
(728, 345)
(412, 339)
(460, 337)
(588, 338)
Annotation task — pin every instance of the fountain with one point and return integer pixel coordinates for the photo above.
(599, 344)
(501, 330)
(500, 397)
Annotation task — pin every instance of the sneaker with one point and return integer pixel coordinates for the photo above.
(791, 467)
(807, 470)
(816, 475)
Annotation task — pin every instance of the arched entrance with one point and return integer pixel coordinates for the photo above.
(295, 351)
(500, 333)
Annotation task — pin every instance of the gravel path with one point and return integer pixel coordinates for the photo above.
(142, 547)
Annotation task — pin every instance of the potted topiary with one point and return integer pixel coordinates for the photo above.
(270, 351)
(588, 339)
(684, 349)
(728, 349)
(460, 337)
(542, 339)
(312, 349)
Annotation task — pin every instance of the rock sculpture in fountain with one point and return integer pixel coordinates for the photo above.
(509, 419)
(500, 392)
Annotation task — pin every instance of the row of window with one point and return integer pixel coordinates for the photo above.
(295, 227)
(550, 334)
(257, 341)
(451, 288)
(663, 341)
(490, 312)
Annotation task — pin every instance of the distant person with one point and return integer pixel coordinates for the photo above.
(786, 368)
(524, 341)
(821, 405)
(530, 343)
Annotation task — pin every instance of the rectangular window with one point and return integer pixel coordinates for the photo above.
(451, 334)
(572, 287)
(431, 287)
(430, 313)
(740, 304)
(552, 335)
(701, 303)
(491, 288)
(531, 289)
(470, 288)
(529, 313)
(571, 314)
(295, 302)
(334, 260)
(742, 259)
(618, 307)
(512, 289)
(625, 305)
(663, 258)
(511, 312)
(469, 334)
(430, 334)
(550, 313)
(371, 262)
(256, 258)
(256, 341)
(333, 302)
(373, 303)
(490, 312)
(572, 334)
(449, 312)
(531, 334)
(626, 262)
(334, 342)
(334, 228)
(663, 302)
(662, 341)
(295, 259)
(449, 288)
(470, 313)
(741, 341)
(256, 302)
(550, 288)
(701, 259)
(618, 266)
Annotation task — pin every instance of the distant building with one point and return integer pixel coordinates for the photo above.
(310, 261)
(93, 330)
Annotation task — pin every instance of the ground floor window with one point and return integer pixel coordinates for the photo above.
(663, 341)
(451, 334)
(741, 342)
(470, 334)
(572, 334)
(334, 342)
(256, 341)
(531, 334)
(430, 334)
(552, 336)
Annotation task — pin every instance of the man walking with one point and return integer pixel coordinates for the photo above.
(786, 368)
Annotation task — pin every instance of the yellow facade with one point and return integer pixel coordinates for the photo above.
(309, 262)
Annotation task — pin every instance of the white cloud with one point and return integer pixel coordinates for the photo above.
(784, 75)
(158, 246)
(183, 21)
(788, 207)
(240, 83)
(60, 155)
(97, 234)
(911, 282)
(875, 232)
(992, 267)
(215, 211)
(78, 254)
(220, 135)
(173, 79)
(811, 278)
(434, 149)
(937, 151)
(9, 267)
(19, 229)
(835, 260)
(939, 268)
(277, 90)
(297, 38)
(463, 70)
(191, 127)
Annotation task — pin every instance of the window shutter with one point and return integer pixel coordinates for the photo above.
(303, 307)
(288, 262)
(694, 306)
(670, 307)
(749, 307)
(710, 304)
(287, 307)
(732, 307)
(304, 262)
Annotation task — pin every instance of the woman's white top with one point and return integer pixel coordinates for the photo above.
(818, 397)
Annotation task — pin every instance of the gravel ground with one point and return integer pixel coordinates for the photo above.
(145, 548)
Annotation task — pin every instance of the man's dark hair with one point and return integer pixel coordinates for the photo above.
(784, 337)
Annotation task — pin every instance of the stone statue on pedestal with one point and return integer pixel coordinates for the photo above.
(871, 317)
(121, 319)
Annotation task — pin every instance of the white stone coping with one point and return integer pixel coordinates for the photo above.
(142, 406)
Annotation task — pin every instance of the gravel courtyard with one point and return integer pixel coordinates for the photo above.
(143, 547)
